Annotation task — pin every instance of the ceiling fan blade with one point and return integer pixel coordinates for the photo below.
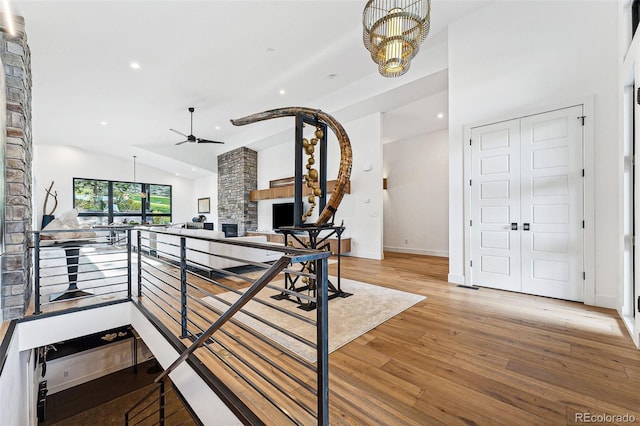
(178, 132)
(206, 141)
(180, 143)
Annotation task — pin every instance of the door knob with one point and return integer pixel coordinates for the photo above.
(514, 226)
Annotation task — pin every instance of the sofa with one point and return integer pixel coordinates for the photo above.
(168, 246)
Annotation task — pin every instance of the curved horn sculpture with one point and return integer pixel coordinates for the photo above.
(346, 156)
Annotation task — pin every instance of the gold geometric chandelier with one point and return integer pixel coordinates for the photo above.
(393, 31)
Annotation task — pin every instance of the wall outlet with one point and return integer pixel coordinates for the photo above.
(406, 241)
(66, 374)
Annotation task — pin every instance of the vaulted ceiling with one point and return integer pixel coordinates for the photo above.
(225, 58)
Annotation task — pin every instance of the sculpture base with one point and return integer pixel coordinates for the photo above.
(66, 295)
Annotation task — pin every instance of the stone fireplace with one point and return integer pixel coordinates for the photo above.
(237, 176)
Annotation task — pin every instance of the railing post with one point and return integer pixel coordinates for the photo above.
(36, 266)
(161, 412)
(183, 286)
(128, 264)
(322, 341)
(126, 419)
(139, 244)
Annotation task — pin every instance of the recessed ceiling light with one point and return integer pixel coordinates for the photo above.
(103, 123)
(177, 174)
(282, 92)
(135, 65)
(193, 169)
(217, 127)
(440, 115)
(333, 75)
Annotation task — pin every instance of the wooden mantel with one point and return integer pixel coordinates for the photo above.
(287, 191)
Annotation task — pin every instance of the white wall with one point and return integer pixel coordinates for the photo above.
(207, 187)
(82, 367)
(15, 386)
(62, 163)
(49, 330)
(515, 56)
(362, 210)
(416, 202)
(276, 162)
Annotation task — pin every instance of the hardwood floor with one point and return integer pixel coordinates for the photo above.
(483, 357)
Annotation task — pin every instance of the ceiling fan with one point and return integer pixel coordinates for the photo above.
(190, 137)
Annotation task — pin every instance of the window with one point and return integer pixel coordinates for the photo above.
(159, 206)
(102, 202)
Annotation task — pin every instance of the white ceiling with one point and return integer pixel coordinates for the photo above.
(227, 59)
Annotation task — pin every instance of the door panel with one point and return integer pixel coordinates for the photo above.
(528, 172)
(495, 195)
(551, 195)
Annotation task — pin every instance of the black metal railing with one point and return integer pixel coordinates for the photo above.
(76, 268)
(225, 301)
(162, 405)
(263, 348)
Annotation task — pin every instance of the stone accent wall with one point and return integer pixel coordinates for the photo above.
(18, 159)
(237, 176)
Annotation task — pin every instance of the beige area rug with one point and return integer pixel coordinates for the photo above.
(349, 318)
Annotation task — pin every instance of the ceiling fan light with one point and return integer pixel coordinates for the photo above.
(393, 31)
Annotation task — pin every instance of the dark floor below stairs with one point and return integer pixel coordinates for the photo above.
(107, 391)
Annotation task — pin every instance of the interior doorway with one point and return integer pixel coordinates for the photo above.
(526, 204)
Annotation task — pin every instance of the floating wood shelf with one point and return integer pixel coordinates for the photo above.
(288, 191)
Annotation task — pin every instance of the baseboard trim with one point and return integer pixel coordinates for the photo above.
(366, 255)
(424, 252)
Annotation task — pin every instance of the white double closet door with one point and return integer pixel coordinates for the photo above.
(526, 205)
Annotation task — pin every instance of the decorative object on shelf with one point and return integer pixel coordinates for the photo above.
(204, 205)
(199, 219)
(323, 120)
(190, 137)
(48, 217)
(393, 31)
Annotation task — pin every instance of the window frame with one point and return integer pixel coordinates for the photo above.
(145, 214)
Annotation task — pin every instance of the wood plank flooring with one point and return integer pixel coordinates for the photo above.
(483, 357)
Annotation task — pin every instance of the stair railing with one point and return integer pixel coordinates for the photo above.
(154, 259)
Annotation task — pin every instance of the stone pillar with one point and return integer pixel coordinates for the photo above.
(18, 159)
(237, 176)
